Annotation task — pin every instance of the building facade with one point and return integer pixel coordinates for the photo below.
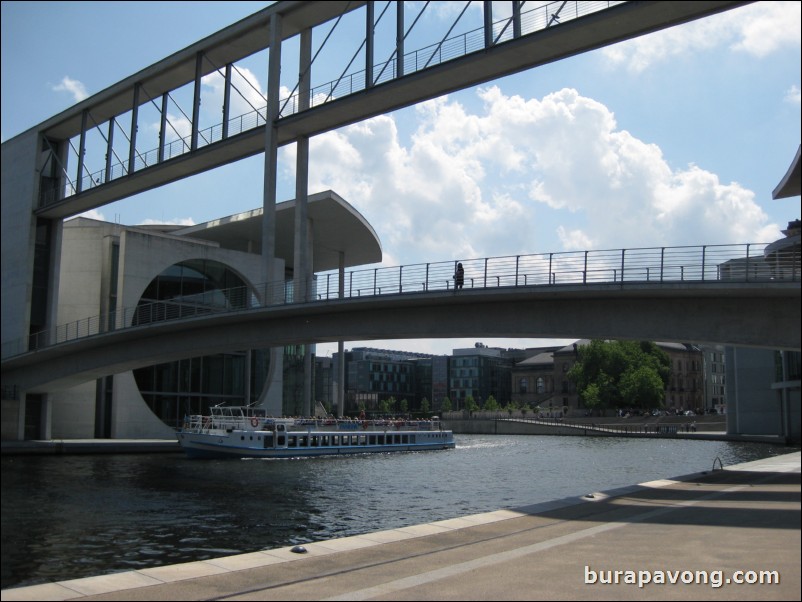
(114, 276)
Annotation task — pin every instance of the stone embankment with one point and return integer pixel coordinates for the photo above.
(711, 427)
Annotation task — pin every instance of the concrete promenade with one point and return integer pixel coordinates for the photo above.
(695, 537)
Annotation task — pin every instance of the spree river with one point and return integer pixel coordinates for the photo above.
(65, 517)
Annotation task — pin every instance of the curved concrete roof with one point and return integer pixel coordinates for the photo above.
(791, 183)
(336, 227)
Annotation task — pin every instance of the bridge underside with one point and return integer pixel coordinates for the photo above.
(749, 315)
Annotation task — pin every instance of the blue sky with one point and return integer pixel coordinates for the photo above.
(675, 138)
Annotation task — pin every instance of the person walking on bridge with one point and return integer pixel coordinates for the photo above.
(459, 277)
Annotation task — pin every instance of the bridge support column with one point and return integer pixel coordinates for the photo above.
(272, 399)
(302, 267)
(341, 347)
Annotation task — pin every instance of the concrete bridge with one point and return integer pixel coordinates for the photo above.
(756, 314)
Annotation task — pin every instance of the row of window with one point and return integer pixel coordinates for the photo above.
(309, 440)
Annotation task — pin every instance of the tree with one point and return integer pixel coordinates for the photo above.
(470, 404)
(445, 405)
(403, 406)
(641, 386)
(424, 406)
(491, 405)
(621, 374)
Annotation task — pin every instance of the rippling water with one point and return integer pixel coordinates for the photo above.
(75, 516)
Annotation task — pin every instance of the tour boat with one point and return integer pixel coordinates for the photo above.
(246, 432)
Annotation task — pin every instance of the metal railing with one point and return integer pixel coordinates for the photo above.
(535, 19)
(622, 267)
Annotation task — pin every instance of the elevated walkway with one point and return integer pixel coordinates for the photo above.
(706, 536)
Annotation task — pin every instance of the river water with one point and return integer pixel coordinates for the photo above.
(65, 517)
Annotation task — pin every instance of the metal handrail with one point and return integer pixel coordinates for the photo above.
(707, 263)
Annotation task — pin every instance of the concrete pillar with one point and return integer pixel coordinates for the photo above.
(274, 290)
(271, 158)
(341, 348)
(302, 267)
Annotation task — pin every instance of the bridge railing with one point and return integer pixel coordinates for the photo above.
(708, 263)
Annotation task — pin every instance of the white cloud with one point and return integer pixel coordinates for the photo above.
(793, 95)
(74, 87)
(517, 172)
(758, 29)
(247, 94)
(175, 221)
(769, 26)
(91, 214)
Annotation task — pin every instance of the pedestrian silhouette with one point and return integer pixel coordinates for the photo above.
(459, 277)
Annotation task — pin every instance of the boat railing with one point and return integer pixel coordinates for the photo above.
(345, 424)
(201, 424)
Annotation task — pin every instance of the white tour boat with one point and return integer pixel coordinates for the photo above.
(246, 432)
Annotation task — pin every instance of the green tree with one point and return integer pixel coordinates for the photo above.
(445, 405)
(642, 386)
(424, 406)
(403, 406)
(470, 404)
(620, 373)
(491, 405)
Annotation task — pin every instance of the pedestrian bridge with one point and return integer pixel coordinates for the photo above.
(726, 294)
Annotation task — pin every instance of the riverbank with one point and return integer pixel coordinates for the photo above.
(89, 446)
(715, 535)
(708, 428)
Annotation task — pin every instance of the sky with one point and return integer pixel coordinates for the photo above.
(674, 138)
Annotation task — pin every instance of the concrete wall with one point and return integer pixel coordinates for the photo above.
(83, 292)
(17, 197)
(753, 408)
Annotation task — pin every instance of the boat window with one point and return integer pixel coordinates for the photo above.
(363, 439)
(381, 439)
(304, 441)
(325, 441)
(292, 441)
(404, 438)
(412, 439)
(372, 440)
(335, 439)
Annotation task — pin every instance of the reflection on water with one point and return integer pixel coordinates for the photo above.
(74, 516)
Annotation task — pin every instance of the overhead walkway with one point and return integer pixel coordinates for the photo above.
(98, 153)
(718, 535)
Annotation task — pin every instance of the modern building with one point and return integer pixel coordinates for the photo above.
(140, 274)
(763, 386)
(377, 375)
(478, 373)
